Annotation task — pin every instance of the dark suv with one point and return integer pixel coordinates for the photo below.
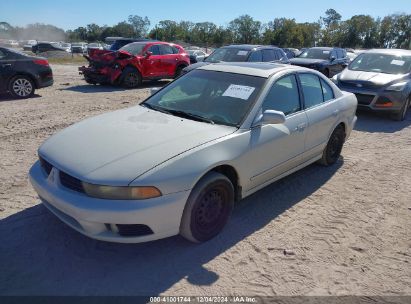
(327, 60)
(243, 53)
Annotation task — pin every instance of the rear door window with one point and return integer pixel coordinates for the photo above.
(312, 90)
(166, 49)
(328, 92)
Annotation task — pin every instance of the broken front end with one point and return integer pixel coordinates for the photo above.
(105, 67)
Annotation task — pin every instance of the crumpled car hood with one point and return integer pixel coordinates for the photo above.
(117, 147)
(371, 77)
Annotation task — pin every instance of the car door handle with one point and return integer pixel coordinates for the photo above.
(300, 127)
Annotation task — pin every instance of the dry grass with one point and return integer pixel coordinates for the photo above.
(75, 60)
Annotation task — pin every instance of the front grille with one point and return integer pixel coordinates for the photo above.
(134, 230)
(71, 182)
(360, 84)
(45, 165)
(364, 99)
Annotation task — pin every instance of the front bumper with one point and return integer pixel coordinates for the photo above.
(377, 100)
(95, 217)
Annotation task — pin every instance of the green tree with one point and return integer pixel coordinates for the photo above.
(245, 29)
(140, 25)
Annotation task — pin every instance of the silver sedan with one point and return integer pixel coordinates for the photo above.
(177, 163)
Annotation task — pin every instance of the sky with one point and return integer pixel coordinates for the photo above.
(70, 14)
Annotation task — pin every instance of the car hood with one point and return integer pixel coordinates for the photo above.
(306, 61)
(117, 147)
(370, 77)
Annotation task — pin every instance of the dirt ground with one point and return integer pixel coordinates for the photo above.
(343, 230)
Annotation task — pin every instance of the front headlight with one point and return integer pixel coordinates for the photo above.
(121, 193)
(399, 86)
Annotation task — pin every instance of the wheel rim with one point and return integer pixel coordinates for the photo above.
(210, 212)
(132, 79)
(22, 87)
(334, 147)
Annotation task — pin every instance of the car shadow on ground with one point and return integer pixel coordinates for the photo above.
(42, 256)
(90, 88)
(380, 122)
(8, 97)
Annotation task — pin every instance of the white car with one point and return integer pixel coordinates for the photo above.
(179, 161)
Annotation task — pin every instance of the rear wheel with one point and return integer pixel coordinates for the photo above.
(21, 87)
(131, 78)
(208, 208)
(334, 146)
(178, 72)
(400, 116)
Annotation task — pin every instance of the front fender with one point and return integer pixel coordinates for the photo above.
(182, 172)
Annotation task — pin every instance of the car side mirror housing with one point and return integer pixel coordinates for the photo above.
(269, 117)
(148, 54)
(332, 58)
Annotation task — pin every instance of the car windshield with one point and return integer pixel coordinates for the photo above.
(381, 63)
(209, 96)
(228, 55)
(315, 54)
(133, 48)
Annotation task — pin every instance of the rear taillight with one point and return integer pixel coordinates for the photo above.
(41, 62)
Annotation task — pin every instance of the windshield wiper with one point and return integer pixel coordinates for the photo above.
(156, 108)
(190, 115)
(179, 113)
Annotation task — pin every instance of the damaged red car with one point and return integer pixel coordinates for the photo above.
(135, 62)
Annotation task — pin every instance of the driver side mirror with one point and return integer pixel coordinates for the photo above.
(148, 54)
(332, 58)
(269, 117)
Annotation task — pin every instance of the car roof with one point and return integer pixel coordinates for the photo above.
(248, 47)
(325, 48)
(259, 69)
(390, 51)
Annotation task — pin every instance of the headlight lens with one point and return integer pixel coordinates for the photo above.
(121, 193)
(399, 86)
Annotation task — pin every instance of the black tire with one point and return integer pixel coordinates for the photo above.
(89, 81)
(179, 70)
(400, 116)
(21, 86)
(131, 78)
(334, 146)
(208, 208)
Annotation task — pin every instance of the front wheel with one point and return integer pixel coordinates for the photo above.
(208, 208)
(400, 116)
(334, 146)
(21, 87)
(131, 78)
